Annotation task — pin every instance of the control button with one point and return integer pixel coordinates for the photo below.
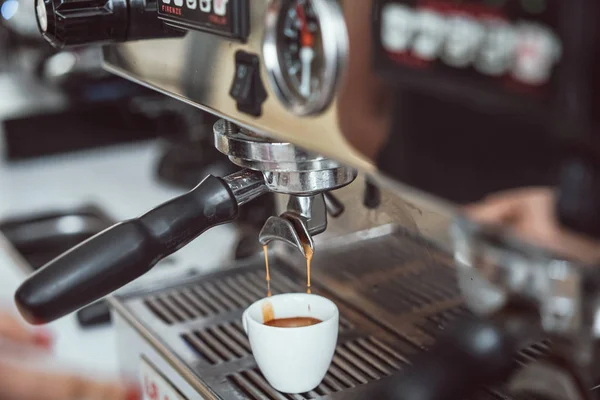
(191, 4)
(206, 6)
(247, 88)
(221, 7)
(537, 51)
(464, 39)
(166, 1)
(178, 3)
(497, 52)
(398, 27)
(431, 36)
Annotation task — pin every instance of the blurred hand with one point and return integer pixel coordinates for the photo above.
(19, 383)
(530, 214)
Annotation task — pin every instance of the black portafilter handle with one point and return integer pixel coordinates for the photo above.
(124, 252)
(472, 354)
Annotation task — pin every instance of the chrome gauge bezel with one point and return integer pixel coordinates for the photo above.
(334, 38)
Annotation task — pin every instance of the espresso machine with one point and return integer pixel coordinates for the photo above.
(374, 122)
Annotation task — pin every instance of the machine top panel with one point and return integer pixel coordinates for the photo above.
(201, 69)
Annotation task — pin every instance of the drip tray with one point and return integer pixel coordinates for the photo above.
(395, 294)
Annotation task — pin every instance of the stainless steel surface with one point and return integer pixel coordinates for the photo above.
(199, 69)
(505, 269)
(309, 182)
(311, 210)
(395, 292)
(497, 273)
(334, 207)
(287, 169)
(246, 185)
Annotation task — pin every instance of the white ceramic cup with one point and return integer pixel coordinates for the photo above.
(293, 360)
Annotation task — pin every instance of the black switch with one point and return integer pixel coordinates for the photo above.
(241, 89)
(247, 88)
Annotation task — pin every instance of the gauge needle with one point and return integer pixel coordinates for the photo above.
(307, 54)
(306, 57)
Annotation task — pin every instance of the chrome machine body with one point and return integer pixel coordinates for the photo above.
(200, 69)
(442, 102)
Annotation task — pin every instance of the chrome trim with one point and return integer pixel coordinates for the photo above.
(335, 49)
(286, 168)
(246, 185)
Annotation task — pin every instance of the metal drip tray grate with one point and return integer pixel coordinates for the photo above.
(415, 290)
(355, 363)
(216, 297)
(220, 343)
(395, 296)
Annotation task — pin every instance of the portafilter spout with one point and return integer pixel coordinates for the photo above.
(304, 217)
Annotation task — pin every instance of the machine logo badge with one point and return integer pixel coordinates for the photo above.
(205, 5)
(191, 4)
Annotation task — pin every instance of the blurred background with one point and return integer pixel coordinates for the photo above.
(81, 149)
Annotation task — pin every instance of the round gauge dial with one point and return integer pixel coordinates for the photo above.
(304, 46)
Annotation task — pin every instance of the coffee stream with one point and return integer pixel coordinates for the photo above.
(266, 250)
(267, 309)
(309, 255)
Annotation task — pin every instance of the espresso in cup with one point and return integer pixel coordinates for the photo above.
(293, 339)
(296, 322)
(269, 319)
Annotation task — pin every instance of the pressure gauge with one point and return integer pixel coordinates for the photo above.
(304, 47)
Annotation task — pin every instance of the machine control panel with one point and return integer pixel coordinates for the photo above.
(228, 18)
(511, 46)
